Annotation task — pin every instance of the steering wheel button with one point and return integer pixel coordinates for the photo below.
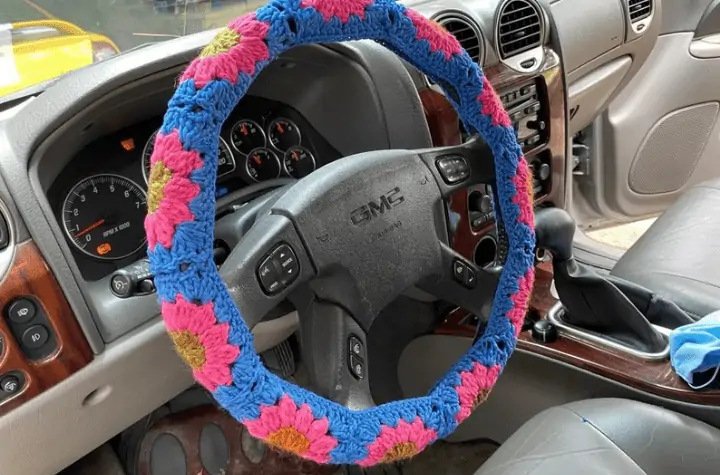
(35, 337)
(470, 279)
(286, 263)
(356, 347)
(21, 311)
(453, 169)
(460, 270)
(357, 367)
(269, 276)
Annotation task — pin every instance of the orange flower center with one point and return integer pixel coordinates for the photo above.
(222, 43)
(289, 440)
(189, 347)
(530, 186)
(400, 451)
(438, 27)
(160, 175)
(480, 398)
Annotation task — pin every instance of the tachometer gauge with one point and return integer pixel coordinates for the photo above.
(262, 164)
(226, 161)
(298, 162)
(247, 135)
(103, 216)
(283, 134)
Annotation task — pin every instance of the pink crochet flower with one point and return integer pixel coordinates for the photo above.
(491, 105)
(293, 430)
(524, 194)
(435, 34)
(170, 191)
(201, 341)
(399, 443)
(474, 388)
(341, 9)
(237, 48)
(521, 299)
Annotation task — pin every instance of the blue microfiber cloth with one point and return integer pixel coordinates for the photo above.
(695, 351)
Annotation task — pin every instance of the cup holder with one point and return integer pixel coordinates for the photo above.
(486, 252)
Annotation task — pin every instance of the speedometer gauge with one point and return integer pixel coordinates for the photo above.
(103, 216)
(226, 161)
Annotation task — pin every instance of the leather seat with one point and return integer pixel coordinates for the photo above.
(608, 436)
(679, 256)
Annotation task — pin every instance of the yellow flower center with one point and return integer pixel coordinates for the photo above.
(400, 451)
(222, 43)
(289, 440)
(160, 175)
(189, 348)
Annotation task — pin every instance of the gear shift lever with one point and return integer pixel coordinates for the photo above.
(593, 302)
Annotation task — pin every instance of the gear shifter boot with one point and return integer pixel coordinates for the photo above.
(592, 302)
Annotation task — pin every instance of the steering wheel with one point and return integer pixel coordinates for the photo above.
(355, 234)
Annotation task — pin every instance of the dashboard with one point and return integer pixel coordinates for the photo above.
(74, 162)
(100, 196)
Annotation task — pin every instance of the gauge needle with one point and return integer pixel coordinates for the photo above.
(279, 128)
(90, 228)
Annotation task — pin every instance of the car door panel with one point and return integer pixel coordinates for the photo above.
(660, 133)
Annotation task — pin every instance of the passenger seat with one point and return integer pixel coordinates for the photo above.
(679, 256)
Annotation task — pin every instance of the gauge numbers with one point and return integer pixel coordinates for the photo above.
(247, 135)
(262, 164)
(103, 216)
(283, 134)
(298, 162)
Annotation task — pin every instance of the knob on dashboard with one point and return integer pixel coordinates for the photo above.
(538, 125)
(480, 202)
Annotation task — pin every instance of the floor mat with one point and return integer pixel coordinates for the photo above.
(443, 458)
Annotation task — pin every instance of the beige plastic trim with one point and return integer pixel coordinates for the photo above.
(707, 47)
(131, 378)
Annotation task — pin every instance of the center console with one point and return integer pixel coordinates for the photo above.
(536, 105)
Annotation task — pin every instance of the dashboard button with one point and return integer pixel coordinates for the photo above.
(121, 285)
(35, 337)
(527, 90)
(22, 311)
(532, 109)
(10, 384)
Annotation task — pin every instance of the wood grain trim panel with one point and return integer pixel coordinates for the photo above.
(653, 377)
(30, 275)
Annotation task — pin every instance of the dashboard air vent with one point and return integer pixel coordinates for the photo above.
(639, 9)
(467, 34)
(519, 28)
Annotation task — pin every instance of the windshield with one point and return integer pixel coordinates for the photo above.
(43, 39)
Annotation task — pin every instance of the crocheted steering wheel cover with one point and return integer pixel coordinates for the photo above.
(202, 320)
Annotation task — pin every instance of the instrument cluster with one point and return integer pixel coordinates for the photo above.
(101, 197)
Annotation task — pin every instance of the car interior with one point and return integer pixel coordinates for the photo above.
(614, 105)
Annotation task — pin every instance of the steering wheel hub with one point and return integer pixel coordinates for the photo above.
(341, 244)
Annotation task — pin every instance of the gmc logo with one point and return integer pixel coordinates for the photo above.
(370, 211)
